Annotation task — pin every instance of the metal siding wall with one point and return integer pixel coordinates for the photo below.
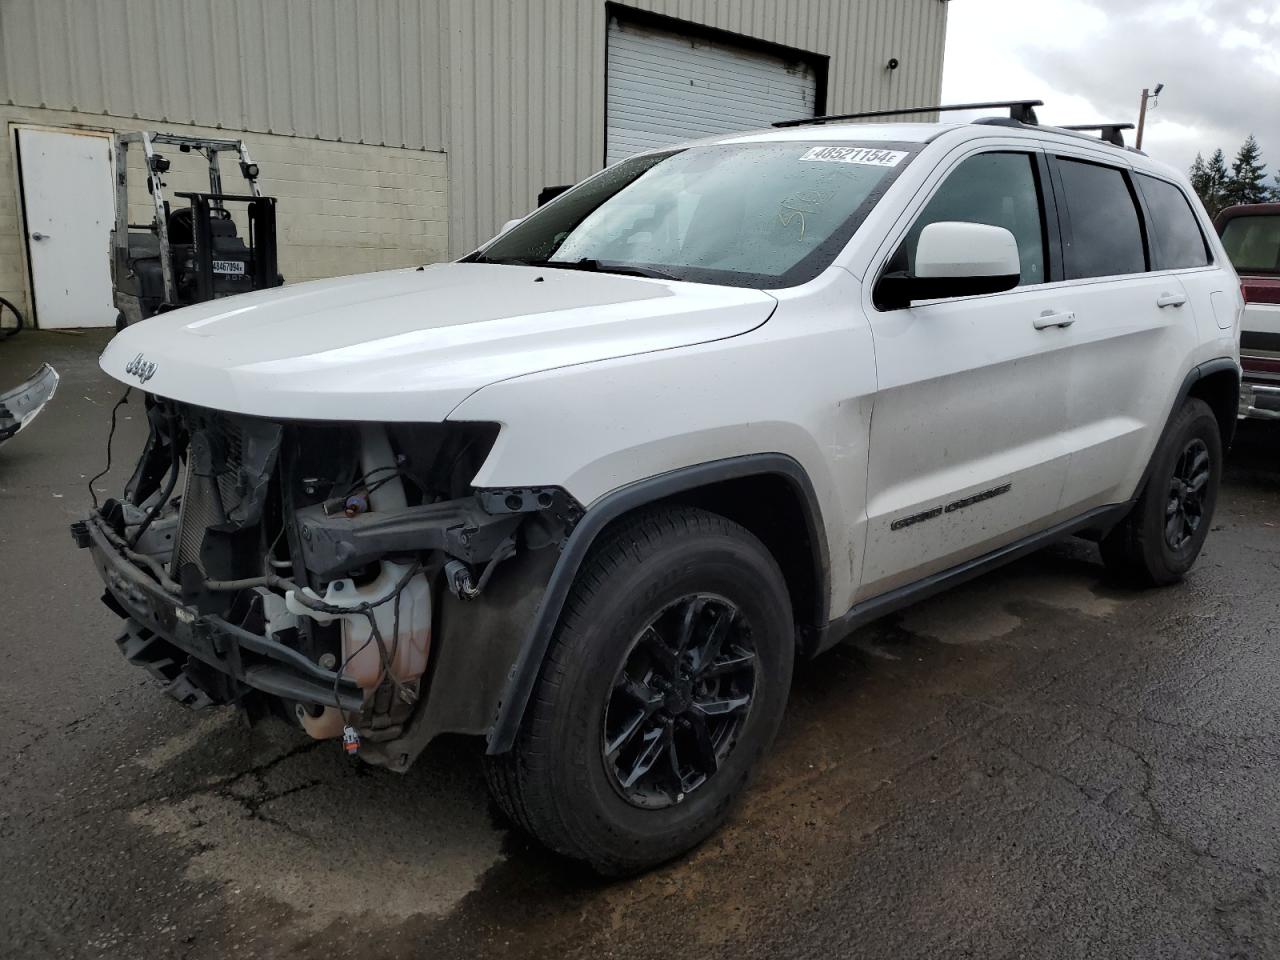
(514, 90)
(367, 72)
(527, 106)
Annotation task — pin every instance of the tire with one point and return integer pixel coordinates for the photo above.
(10, 331)
(1158, 542)
(683, 572)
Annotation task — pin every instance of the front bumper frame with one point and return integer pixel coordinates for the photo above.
(21, 405)
(259, 662)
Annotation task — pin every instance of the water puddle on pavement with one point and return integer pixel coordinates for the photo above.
(297, 822)
(982, 611)
(205, 725)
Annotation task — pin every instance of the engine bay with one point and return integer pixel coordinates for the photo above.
(298, 568)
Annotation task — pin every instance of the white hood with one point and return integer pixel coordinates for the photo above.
(412, 344)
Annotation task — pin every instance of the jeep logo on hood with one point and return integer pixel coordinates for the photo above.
(143, 369)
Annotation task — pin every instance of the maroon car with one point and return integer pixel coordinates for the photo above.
(1251, 234)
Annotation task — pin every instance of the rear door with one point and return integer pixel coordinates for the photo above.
(1180, 245)
(1134, 330)
(966, 453)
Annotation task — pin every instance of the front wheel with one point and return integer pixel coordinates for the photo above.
(665, 683)
(1160, 539)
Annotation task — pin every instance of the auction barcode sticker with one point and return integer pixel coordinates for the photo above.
(864, 155)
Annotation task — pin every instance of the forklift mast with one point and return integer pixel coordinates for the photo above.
(207, 259)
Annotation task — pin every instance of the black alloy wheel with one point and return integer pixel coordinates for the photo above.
(1184, 510)
(677, 704)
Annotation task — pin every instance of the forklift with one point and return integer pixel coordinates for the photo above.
(192, 252)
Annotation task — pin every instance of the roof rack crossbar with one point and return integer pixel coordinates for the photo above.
(1109, 132)
(1022, 111)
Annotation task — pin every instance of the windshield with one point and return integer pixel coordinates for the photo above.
(1253, 243)
(751, 215)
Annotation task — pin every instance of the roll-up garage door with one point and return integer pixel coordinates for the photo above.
(664, 88)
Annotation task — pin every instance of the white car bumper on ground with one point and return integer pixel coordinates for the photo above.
(19, 406)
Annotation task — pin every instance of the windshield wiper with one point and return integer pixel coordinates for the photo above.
(590, 265)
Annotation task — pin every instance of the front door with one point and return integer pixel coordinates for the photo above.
(68, 210)
(966, 453)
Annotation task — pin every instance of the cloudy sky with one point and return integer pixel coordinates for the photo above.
(1089, 60)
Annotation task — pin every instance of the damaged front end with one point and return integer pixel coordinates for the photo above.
(345, 575)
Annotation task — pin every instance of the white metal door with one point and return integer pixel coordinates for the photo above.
(69, 212)
(1115, 416)
(664, 88)
(967, 452)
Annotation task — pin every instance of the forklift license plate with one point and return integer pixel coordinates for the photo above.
(229, 266)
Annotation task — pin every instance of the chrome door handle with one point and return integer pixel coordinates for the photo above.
(1051, 319)
(1170, 300)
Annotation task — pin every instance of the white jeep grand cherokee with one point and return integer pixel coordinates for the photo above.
(590, 491)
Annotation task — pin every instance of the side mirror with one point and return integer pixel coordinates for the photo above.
(508, 225)
(954, 259)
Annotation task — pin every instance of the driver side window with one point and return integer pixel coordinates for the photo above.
(999, 189)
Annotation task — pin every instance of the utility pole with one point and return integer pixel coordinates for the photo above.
(1142, 111)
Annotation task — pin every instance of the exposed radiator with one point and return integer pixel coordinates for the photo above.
(213, 488)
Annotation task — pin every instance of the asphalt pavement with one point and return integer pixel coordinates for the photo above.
(1035, 765)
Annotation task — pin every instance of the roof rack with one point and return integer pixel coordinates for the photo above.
(1020, 111)
(1109, 132)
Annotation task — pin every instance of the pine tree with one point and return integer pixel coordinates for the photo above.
(1248, 180)
(1210, 179)
(1200, 179)
(1216, 183)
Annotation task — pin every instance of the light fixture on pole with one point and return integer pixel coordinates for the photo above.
(1147, 95)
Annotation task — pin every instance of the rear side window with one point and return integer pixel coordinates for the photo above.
(1176, 240)
(1253, 243)
(1106, 234)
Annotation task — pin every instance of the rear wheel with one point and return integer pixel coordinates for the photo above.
(1160, 539)
(665, 683)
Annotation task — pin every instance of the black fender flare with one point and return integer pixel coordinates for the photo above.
(1199, 372)
(528, 662)
(1194, 375)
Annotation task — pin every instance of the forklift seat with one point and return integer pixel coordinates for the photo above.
(180, 226)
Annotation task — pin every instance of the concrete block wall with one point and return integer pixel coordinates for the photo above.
(343, 208)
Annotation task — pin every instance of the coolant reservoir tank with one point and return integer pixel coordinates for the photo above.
(406, 651)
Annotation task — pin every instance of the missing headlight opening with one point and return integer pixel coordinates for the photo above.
(299, 568)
